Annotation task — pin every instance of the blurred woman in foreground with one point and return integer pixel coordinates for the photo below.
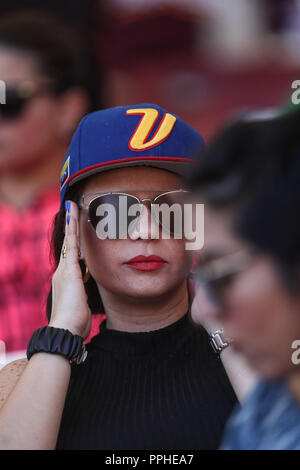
(249, 276)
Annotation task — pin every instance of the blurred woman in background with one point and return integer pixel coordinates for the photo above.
(48, 89)
(249, 276)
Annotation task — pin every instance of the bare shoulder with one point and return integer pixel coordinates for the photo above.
(9, 376)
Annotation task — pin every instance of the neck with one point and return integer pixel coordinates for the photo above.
(148, 314)
(18, 187)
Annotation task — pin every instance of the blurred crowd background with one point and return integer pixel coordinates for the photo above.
(204, 60)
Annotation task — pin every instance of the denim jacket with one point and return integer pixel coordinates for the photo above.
(269, 419)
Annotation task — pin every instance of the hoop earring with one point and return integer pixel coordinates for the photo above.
(86, 275)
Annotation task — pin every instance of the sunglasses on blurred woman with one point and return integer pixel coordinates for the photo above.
(18, 95)
(217, 274)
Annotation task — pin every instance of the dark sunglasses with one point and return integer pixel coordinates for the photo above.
(17, 97)
(131, 208)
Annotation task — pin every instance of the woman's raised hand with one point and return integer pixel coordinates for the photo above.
(69, 300)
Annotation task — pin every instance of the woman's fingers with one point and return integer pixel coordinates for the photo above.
(69, 299)
(70, 249)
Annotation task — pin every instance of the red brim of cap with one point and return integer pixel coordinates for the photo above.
(180, 166)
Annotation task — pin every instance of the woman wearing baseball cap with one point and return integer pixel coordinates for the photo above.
(150, 379)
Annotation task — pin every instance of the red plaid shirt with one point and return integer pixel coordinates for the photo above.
(25, 269)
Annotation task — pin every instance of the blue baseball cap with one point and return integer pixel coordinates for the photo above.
(142, 134)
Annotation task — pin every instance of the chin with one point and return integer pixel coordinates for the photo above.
(147, 291)
(147, 294)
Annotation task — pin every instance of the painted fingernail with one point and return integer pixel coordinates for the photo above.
(67, 206)
(68, 219)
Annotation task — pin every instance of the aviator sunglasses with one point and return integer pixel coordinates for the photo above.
(98, 207)
(17, 97)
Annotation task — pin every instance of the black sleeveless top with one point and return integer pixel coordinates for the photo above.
(163, 390)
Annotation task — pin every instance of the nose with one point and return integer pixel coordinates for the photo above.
(145, 227)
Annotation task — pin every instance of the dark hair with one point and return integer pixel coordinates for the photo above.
(59, 53)
(253, 167)
(94, 299)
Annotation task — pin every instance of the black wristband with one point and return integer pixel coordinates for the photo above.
(57, 341)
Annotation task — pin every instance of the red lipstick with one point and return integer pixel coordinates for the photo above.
(146, 263)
